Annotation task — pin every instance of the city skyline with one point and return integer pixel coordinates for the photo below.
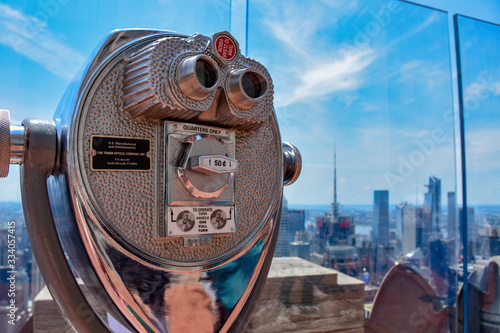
(375, 76)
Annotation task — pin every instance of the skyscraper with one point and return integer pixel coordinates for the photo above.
(432, 205)
(296, 222)
(412, 229)
(400, 224)
(283, 243)
(452, 216)
(381, 217)
(335, 204)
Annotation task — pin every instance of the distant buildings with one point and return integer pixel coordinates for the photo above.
(296, 222)
(426, 237)
(28, 280)
(380, 232)
(292, 240)
(432, 208)
(335, 243)
(283, 242)
(335, 239)
(412, 229)
(301, 247)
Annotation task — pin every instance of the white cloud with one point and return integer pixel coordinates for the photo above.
(327, 76)
(30, 37)
(320, 68)
(481, 89)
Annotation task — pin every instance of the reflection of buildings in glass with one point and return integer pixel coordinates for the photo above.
(486, 230)
(381, 217)
(441, 259)
(452, 216)
(471, 231)
(471, 225)
(493, 234)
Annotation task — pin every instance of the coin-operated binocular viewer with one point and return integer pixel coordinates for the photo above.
(161, 176)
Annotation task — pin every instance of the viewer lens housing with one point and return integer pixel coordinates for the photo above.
(245, 87)
(198, 76)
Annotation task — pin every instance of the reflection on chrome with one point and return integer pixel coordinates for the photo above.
(167, 199)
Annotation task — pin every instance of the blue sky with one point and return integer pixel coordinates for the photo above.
(373, 77)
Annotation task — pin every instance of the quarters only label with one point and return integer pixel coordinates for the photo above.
(188, 220)
(111, 153)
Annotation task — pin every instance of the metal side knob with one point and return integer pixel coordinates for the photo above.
(11, 143)
(292, 163)
(4, 143)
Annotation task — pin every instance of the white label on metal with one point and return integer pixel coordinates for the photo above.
(219, 163)
(214, 164)
(200, 220)
(200, 129)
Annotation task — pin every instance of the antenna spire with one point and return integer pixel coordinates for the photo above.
(335, 203)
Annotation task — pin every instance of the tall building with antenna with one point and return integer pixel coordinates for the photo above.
(335, 237)
(335, 204)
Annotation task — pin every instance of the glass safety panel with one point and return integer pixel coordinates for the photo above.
(478, 46)
(369, 233)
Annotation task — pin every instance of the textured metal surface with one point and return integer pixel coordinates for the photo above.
(127, 200)
(4, 143)
(150, 88)
(154, 281)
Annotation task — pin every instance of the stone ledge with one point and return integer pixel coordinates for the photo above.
(300, 296)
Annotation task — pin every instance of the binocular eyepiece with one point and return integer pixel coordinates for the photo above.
(162, 174)
(199, 75)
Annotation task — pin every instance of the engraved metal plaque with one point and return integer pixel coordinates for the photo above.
(112, 153)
